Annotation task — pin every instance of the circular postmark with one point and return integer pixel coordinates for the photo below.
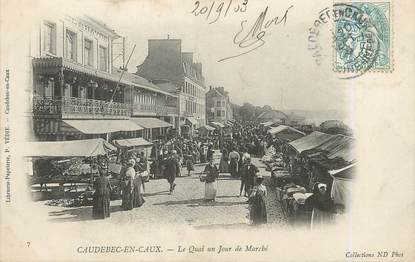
(361, 37)
(355, 41)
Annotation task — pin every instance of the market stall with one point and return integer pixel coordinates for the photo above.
(67, 163)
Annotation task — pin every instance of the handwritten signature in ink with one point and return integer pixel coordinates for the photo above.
(254, 38)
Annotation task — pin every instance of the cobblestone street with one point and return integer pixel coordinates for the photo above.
(185, 205)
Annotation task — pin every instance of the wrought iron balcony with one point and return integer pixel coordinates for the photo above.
(74, 107)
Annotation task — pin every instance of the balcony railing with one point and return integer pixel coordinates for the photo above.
(75, 106)
(154, 109)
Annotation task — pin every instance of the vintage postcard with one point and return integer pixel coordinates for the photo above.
(208, 130)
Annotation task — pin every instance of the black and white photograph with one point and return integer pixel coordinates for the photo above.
(211, 130)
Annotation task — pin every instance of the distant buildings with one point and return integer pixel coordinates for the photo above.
(176, 72)
(218, 105)
(279, 117)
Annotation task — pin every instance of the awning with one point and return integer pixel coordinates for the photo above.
(267, 124)
(208, 127)
(338, 146)
(341, 189)
(150, 122)
(87, 126)
(309, 142)
(85, 148)
(192, 120)
(217, 124)
(132, 142)
(346, 172)
(280, 128)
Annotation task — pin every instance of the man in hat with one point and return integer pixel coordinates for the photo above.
(172, 168)
(249, 173)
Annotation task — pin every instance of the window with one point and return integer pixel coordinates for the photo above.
(103, 59)
(218, 103)
(218, 113)
(49, 38)
(70, 45)
(89, 53)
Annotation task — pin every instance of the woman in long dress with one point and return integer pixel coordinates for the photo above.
(323, 206)
(128, 188)
(212, 173)
(258, 210)
(101, 202)
(224, 165)
(138, 182)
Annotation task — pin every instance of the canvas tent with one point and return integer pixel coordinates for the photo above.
(338, 146)
(217, 124)
(267, 124)
(74, 148)
(310, 141)
(285, 133)
(342, 184)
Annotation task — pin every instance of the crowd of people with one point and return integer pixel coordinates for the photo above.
(169, 157)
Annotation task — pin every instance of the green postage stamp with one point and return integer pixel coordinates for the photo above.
(362, 38)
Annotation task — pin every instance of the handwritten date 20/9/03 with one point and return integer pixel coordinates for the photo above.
(218, 9)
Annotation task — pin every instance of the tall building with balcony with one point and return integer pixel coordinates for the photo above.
(78, 94)
(177, 73)
(218, 106)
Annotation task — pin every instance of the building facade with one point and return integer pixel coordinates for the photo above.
(77, 93)
(218, 105)
(176, 72)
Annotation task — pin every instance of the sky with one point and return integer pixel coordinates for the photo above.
(281, 73)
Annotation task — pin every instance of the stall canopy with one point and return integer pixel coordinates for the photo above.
(208, 127)
(191, 120)
(74, 148)
(87, 126)
(338, 146)
(310, 141)
(281, 128)
(132, 142)
(267, 124)
(342, 183)
(217, 124)
(150, 122)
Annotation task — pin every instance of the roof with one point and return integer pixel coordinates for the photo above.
(138, 81)
(150, 122)
(84, 148)
(280, 128)
(310, 141)
(132, 142)
(346, 172)
(94, 126)
(163, 61)
(168, 87)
